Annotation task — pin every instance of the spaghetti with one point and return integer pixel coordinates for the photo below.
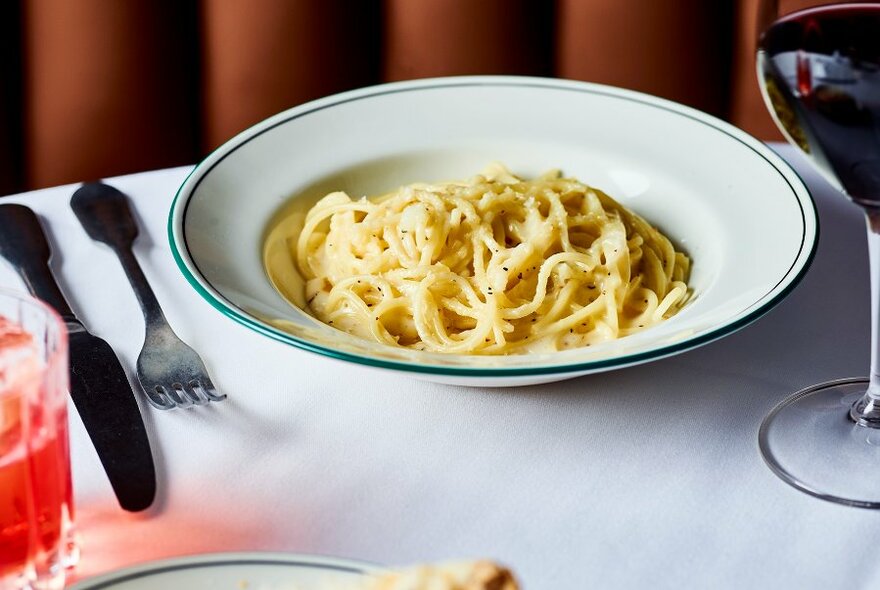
(493, 265)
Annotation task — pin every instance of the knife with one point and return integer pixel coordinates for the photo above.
(99, 387)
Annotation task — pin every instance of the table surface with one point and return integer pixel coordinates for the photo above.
(645, 476)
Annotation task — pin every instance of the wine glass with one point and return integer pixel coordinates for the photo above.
(819, 72)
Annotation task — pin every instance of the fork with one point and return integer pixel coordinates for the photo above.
(169, 371)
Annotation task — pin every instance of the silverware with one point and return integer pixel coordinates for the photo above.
(170, 372)
(98, 385)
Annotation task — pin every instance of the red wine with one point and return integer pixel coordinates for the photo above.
(820, 72)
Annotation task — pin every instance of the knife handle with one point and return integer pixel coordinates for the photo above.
(23, 243)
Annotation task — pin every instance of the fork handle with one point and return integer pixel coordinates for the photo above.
(23, 243)
(154, 317)
(105, 214)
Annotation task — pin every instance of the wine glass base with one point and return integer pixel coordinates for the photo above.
(810, 441)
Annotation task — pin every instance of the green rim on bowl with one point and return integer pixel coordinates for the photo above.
(208, 568)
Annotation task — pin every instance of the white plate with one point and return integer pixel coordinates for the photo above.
(738, 209)
(232, 571)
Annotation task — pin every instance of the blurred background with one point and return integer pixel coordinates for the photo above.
(95, 88)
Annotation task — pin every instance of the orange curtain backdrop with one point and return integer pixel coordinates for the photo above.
(746, 104)
(678, 49)
(426, 38)
(109, 87)
(92, 88)
(263, 56)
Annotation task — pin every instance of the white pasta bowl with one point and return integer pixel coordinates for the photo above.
(737, 209)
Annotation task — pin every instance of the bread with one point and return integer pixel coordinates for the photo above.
(464, 575)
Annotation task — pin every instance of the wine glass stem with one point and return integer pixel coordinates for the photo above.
(866, 410)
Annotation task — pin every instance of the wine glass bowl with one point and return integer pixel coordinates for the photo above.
(819, 72)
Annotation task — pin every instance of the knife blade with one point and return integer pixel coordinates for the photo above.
(99, 388)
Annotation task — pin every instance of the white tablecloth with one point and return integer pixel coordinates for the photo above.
(643, 477)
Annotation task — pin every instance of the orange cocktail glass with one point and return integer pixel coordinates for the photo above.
(36, 499)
